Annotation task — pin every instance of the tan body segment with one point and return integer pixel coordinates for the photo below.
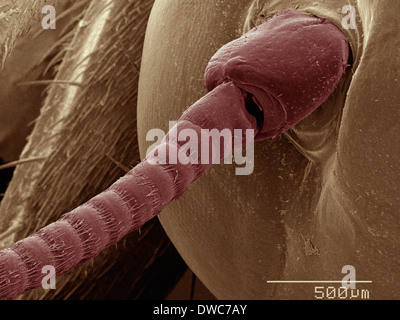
(323, 196)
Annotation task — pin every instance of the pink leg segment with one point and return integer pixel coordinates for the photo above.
(126, 206)
(290, 64)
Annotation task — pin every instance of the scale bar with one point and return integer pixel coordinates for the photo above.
(312, 281)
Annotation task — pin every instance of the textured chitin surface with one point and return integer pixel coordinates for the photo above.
(290, 64)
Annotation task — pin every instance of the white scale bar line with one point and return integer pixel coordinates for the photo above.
(349, 281)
